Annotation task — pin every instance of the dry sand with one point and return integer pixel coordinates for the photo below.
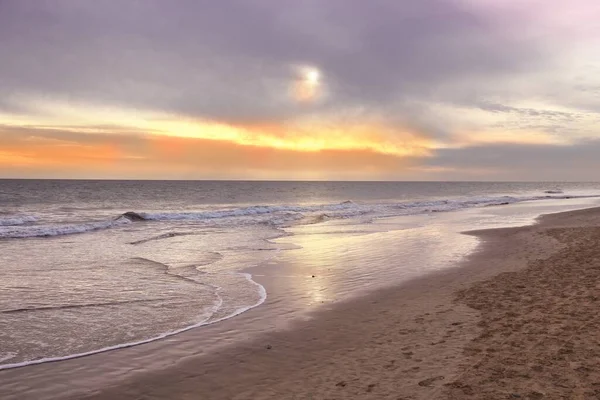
(518, 320)
(539, 334)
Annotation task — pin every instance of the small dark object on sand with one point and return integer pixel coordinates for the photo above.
(429, 381)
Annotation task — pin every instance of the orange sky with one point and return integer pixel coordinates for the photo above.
(70, 139)
(56, 153)
(74, 141)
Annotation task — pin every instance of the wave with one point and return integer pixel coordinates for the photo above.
(165, 236)
(281, 214)
(458, 204)
(17, 220)
(20, 232)
(262, 297)
(69, 306)
(241, 212)
(275, 215)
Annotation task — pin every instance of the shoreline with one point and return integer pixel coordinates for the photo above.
(398, 341)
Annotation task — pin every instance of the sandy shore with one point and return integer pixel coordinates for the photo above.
(517, 320)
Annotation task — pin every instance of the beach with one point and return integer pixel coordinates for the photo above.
(517, 319)
(285, 200)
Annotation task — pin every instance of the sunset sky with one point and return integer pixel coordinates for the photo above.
(300, 89)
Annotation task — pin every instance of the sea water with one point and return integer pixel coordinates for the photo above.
(89, 266)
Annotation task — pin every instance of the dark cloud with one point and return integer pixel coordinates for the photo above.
(578, 162)
(230, 59)
(531, 112)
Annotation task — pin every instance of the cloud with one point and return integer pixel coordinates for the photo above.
(523, 162)
(53, 153)
(233, 60)
(532, 112)
(442, 83)
(331, 132)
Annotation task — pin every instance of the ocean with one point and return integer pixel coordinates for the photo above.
(90, 266)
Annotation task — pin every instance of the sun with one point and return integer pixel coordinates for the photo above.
(306, 87)
(312, 76)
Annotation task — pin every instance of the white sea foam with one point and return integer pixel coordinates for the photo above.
(7, 356)
(17, 220)
(207, 321)
(16, 232)
(277, 215)
(285, 213)
(246, 211)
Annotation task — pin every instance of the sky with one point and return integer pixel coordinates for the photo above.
(310, 90)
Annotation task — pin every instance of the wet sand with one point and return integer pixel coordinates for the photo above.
(517, 320)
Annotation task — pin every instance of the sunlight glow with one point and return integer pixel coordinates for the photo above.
(307, 87)
(312, 76)
(303, 135)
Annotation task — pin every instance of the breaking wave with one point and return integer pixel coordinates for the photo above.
(274, 215)
(20, 232)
